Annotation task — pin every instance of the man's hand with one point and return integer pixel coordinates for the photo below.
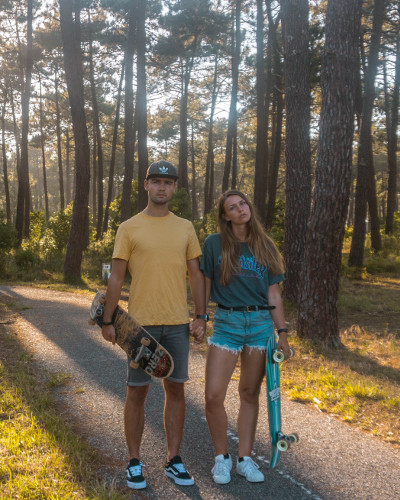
(197, 328)
(108, 332)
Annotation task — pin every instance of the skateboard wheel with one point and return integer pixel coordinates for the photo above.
(278, 356)
(292, 351)
(282, 445)
(91, 321)
(145, 342)
(102, 300)
(134, 365)
(293, 438)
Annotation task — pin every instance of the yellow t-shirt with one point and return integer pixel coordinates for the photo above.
(157, 249)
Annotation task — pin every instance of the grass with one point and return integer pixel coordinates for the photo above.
(40, 456)
(360, 382)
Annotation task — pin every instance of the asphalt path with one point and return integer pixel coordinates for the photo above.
(332, 460)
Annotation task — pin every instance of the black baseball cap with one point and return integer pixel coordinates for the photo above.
(162, 169)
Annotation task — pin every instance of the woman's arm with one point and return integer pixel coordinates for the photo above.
(275, 299)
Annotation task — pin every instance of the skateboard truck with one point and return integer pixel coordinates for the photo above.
(284, 441)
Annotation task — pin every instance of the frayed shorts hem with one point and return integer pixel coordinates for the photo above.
(225, 347)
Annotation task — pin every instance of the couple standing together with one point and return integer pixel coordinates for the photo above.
(240, 270)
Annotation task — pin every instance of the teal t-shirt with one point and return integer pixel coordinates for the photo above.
(247, 288)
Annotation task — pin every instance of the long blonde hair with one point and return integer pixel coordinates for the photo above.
(261, 246)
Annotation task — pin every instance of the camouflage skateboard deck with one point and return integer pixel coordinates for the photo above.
(279, 441)
(143, 349)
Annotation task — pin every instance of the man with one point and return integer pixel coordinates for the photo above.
(158, 248)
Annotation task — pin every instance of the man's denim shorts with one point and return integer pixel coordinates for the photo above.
(175, 338)
(235, 329)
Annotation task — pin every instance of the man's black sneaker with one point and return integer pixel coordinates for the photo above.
(176, 471)
(134, 475)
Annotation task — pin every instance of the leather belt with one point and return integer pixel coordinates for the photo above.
(246, 308)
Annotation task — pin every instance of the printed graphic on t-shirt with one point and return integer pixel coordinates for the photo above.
(249, 267)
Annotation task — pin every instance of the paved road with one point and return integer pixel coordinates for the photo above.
(332, 460)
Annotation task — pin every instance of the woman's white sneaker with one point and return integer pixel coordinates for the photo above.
(250, 470)
(222, 469)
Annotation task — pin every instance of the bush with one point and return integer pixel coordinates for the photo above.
(180, 204)
(27, 256)
(98, 253)
(55, 237)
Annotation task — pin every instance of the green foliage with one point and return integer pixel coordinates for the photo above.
(27, 256)
(98, 253)
(7, 237)
(55, 237)
(180, 204)
(36, 222)
(277, 231)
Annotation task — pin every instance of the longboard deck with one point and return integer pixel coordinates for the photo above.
(144, 351)
(279, 441)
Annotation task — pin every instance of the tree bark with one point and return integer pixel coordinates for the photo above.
(5, 166)
(263, 74)
(297, 151)
(59, 148)
(365, 187)
(113, 150)
(210, 167)
(99, 142)
(141, 103)
(24, 198)
(317, 312)
(42, 144)
(392, 146)
(231, 139)
(129, 138)
(70, 32)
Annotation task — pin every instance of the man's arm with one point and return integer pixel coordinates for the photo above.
(197, 287)
(115, 282)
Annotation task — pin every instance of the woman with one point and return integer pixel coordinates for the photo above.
(242, 268)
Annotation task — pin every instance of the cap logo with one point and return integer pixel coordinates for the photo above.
(163, 170)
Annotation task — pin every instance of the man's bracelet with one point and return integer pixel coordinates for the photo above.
(106, 323)
(281, 330)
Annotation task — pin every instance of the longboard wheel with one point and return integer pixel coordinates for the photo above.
(292, 351)
(282, 445)
(102, 300)
(293, 438)
(91, 321)
(145, 342)
(134, 365)
(278, 356)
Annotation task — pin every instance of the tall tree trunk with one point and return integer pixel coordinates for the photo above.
(70, 32)
(317, 312)
(209, 181)
(42, 144)
(141, 104)
(59, 146)
(263, 73)
(68, 194)
(25, 197)
(232, 118)
(298, 155)
(113, 150)
(4, 154)
(99, 142)
(129, 138)
(195, 206)
(393, 119)
(94, 175)
(277, 99)
(365, 187)
(186, 71)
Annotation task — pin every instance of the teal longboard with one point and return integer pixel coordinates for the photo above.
(279, 441)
